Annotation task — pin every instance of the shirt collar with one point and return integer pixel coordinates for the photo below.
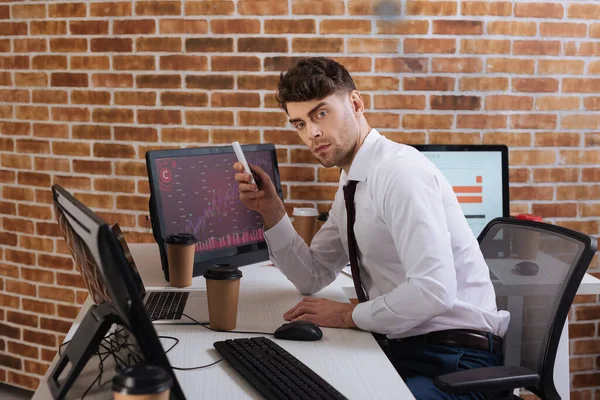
(363, 160)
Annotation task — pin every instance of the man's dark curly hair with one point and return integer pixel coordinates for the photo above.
(313, 79)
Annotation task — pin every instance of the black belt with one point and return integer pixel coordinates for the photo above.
(457, 337)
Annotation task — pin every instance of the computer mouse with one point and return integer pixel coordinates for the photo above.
(299, 330)
(527, 268)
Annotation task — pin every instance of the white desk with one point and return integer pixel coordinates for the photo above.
(350, 360)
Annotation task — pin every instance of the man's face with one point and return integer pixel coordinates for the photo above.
(328, 127)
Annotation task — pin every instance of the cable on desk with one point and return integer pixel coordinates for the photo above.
(205, 325)
(200, 367)
(172, 338)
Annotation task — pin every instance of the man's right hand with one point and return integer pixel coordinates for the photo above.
(264, 200)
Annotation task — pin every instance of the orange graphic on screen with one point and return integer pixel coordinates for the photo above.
(461, 191)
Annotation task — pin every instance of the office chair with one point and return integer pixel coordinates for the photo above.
(536, 269)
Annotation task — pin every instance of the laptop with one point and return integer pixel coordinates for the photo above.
(167, 306)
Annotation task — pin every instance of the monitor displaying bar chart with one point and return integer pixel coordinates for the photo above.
(478, 175)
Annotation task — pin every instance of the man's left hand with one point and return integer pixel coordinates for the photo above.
(322, 312)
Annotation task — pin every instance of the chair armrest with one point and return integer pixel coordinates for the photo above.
(486, 379)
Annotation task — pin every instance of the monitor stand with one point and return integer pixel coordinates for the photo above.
(94, 326)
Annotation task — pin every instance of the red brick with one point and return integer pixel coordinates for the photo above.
(563, 29)
(427, 121)
(135, 98)
(37, 212)
(519, 175)
(70, 114)
(65, 311)
(345, 26)
(257, 118)
(373, 45)
(73, 182)
(532, 157)
(158, 8)
(39, 113)
(88, 27)
(112, 80)
(532, 47)
(112, 150)
(7, 144)
(484, 46)
(14, 193)
(228, 135)
(136, 134)
(139, 203)
(231, 26)
(13, 28)
(590, 175)
(552, 103)
(67, 10)
(184, 26)
(583, 11)
(557, 139)
(209, 82)
(397, 102)
(14, 96)
(533, 121)
(258, 82)
(184, 135)
(318, 7)
(539, 10)
(30, 45)
(262, 45)
(580, 121)
(507, 102)
(579, 48)
(318, 192)
(158, 44)
(28, 11)
(531, 192)
(48, 229)
(48, 27)
(317, 45)
(15, 128)
(33, 146)
(16, 161)
(512, 28)
(564, 210)
(158, 81)
(134, 27)
(8, 239)
(70, 45)
(445, 8)
(21, 380)
(19, 318)
(417, 45)
(56, 325)
(580, 156)
(281, 26)
(184, 63)
(234, 63)
(90, 97)
(457, 27)
(36, 368)
(49, 62)
(454, 137)
(209, 45)
(297, 174)
(6, 78)
(237, 99)
(19, 256)
(114, 185)
(219, 7)
(262, 7)
(592, 139)
(95, 132)
(113, 115)
(457, 65)
(36, 243)
(68, 79)
(132, 63)
(535, 84)
(50, 96)
(164, 117)
(10, 361)
(45, 339)
(436, 83)
(113, 9)
(17, 225)
(402, 27)
(130, 168)
(55, 293)
(39, 307)
(589, 210)
(510, 65)
(449, 102)
(481, 121)
(555, 175)
(92, 167)
(14, 62)
(112, 45)
(581, 85)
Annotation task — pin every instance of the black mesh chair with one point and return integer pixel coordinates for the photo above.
(536, 269)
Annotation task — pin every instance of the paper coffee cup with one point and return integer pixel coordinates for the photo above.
(180, 258)
(526, 243)
(142, 382)
(305, 222)
(223, 291)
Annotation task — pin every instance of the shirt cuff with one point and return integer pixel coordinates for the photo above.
(280, 235)
(361, 315)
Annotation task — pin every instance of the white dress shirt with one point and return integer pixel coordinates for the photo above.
(419, 261)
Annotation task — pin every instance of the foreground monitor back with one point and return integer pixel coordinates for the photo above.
(194, 191)
(479, 176)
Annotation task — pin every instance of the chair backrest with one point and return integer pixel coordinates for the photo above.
(536, 269)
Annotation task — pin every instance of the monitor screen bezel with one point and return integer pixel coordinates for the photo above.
(502, 149)
(240, 255)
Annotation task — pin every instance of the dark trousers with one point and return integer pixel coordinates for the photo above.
(419, 363)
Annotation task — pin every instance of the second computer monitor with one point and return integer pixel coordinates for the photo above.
(479, 176)
(194, 191)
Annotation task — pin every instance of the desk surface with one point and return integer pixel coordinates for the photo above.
(350, 360)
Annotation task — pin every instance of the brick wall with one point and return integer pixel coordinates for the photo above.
(88, 87)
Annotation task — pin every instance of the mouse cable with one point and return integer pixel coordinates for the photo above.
(172, 338)
(205, 325)
(185, 368)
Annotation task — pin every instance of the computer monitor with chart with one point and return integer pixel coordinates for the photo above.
(194, 191)
(479, 176)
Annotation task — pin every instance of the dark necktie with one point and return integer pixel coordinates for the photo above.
(349, 191)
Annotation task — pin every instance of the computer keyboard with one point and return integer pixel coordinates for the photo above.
(165, 305)
(274, 372)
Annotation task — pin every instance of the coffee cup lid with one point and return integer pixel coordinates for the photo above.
(142, 379)
(305, 212)
(222, 272)
(181, 238)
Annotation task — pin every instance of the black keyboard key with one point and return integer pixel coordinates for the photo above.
(273, 371)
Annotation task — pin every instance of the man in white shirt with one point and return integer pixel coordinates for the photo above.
(418, 271)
